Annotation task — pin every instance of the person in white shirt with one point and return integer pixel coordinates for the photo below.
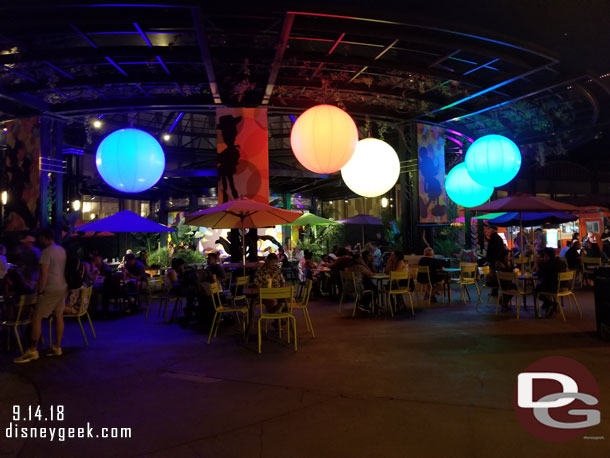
(52, 289)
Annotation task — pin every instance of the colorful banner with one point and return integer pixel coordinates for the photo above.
(23, 176)
(431, 153)
(243, 154)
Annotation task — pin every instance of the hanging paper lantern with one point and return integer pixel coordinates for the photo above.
(463, 190)
(493, 160)
(130, 160)
(373, 169)
(324, 138)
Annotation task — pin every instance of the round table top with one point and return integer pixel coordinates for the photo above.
(380, 276)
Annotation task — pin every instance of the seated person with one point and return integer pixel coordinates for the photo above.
(143, 258)
(282, 259)
(435, 267)
(269, 275)
(324, 261)
(565, 249)
(369, 261)
(363, 275)
(343, 261)
(592, 250)
(549, 268)
(396, 263)
(306, 266)
(181, 285)
(214, 268)
(573, 257)
(133, 269)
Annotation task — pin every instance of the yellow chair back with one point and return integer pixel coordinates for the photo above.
(286, 292)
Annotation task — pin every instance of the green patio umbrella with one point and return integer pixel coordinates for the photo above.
(309, 219)
(489, 216)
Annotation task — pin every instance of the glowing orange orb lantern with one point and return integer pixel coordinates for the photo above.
(324, 138)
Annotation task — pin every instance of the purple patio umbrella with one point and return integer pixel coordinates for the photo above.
(363, 220)
(124, 221)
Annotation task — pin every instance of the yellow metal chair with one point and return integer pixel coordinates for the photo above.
(22, 318)
(83, 310)
(524, 263)
(285, 293)
(240, 284)
(152, 285)
(166, 298)
(303, 305)
(220, 310)
(468, 276)
(397, 290)
(565, 288)
(427, 284)
(514, 290)
(589, 264)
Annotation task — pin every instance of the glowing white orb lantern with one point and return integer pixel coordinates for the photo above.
(373, 169)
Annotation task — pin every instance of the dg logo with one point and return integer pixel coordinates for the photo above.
(556, 399)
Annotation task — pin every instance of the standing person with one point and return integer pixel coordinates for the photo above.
(495, 245)
(28, 261)
(52, 289)
(540, 242)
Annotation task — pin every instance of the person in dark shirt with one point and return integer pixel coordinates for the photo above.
(133, 269)
(573, 257)
(495, 246)
(343, 262)
(214, 269)
(435, 266)
(548, 270)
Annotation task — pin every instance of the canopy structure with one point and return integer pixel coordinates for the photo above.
(241, 214)
(309, 219)
(521, 204)
(531, 219)
(363, 220)
(125, 221)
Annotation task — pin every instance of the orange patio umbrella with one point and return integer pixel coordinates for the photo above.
(243, 214)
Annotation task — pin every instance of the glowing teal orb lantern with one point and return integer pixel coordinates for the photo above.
(130, 160)
(463, 190)
(493, 160)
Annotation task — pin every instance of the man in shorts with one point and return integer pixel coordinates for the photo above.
(52, 289)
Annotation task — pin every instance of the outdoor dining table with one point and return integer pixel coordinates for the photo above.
(252, 294)
(379, 279)
(525, 278)
(447, 271)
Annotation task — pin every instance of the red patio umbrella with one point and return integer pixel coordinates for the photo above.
(525, 203)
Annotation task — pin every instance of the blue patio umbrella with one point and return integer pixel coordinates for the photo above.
(531, 219)
(124, 221)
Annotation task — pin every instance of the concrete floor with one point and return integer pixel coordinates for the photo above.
(439, 384)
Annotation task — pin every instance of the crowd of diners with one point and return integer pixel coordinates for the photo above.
(58, 278)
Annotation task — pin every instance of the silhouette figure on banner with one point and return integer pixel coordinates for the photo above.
(19, 173)
(229, 157)
(428, 167)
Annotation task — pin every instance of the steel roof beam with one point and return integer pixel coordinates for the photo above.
(279, 56)
(202, 40)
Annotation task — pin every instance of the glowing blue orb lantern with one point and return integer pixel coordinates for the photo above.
(130, 160)
(463, 190)
(493, 160)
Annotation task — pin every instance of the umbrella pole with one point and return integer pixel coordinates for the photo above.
(522, 251)
(243, 247)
